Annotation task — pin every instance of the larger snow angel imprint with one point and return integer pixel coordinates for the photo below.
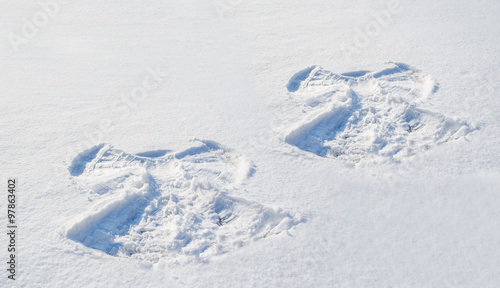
(165, 204)
(364, 115)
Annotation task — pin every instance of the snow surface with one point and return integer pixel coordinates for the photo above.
(174, 208)
(361, 115)
(278, 197)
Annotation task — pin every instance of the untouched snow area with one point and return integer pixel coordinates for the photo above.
(345, 143)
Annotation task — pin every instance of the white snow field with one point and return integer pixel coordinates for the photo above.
(352, 143)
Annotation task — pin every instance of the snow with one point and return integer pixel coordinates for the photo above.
(102, 103)
(359, 114)
(173, 208)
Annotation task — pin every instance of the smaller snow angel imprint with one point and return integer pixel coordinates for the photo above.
(164, 204)
(365, 115)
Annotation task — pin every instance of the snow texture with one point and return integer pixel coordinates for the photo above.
(397, 176)
(174, 205)
(366, 115)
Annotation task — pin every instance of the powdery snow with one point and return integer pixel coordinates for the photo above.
(356, 173)
(365, 116)
(174, 206)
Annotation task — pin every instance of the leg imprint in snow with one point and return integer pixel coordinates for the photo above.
(165, 204)
(364, 115)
